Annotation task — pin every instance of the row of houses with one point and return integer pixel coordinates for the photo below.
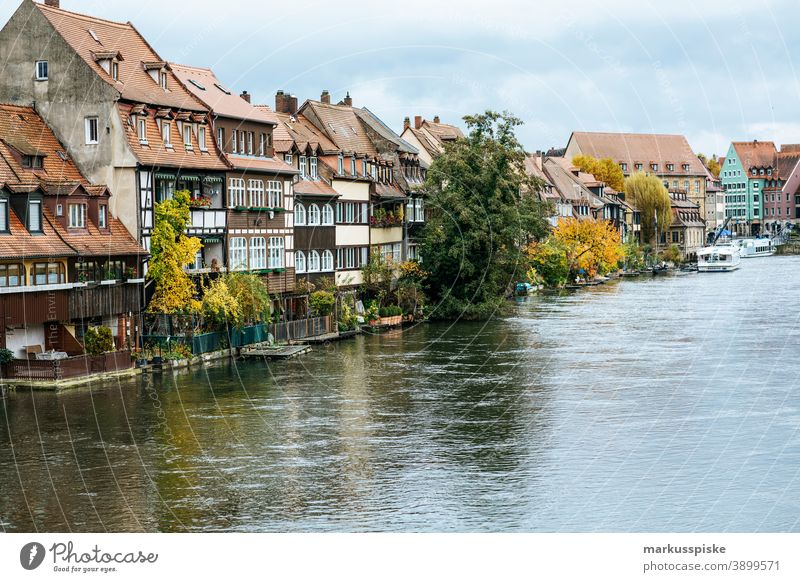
(97, 129)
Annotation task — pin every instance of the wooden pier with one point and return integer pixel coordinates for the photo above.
(274, 352)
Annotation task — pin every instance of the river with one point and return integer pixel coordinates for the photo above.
(657, 404)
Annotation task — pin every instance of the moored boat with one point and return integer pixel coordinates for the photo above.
(718, 259)
(751, 248)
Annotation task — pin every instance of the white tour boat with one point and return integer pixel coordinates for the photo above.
(718, 258)
(756, 247)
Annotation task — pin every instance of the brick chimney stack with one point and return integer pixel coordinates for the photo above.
(285, 103)
(417, 121)
(325, 97)
(246, 96)
(436, 119)
(53, 3)
(348, 100)
(406, 123)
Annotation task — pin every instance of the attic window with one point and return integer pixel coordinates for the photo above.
(115, 70)
(94, 35)
(221, 88)
(62, 155)
(163, 77)
(196, 84)
(32, 161)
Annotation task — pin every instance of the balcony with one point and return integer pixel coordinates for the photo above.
(70, 301)
(207, 221)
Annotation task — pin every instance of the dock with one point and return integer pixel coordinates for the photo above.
(274, 352)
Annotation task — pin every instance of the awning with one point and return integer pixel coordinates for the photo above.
(164, 176)
(190, 178)
(211, 239)
(213, 179)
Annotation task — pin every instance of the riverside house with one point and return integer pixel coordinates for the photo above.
(66, 262)
(670, 157)
(370, 149)
(687, 229)
(781, 198)
(254, 222)
(125, 118)
(302, 147)
(748, 166)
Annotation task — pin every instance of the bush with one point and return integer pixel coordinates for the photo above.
(98, 340)
(390, 311)
(322, 302)
(347, 319)
(6, 355)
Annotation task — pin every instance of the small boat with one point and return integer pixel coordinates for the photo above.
(759, 247)
(660, 269)
(718, 259)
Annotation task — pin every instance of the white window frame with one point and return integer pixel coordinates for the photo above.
(237, 193)
(262, 146)
(187, 135)
(299, 214)
(256, 191)
(115, 70)
(141, 125)
(275, 194)
(302, 166)
(249, 143)
(327, 215)
(221, 138)
(92, 123)
(77, 215)
(312, 167)
(201, 138)
(42, 75)
(258, 253)
(102, 216)
(241, 142)
(299, 262)
(327, 261)
(35, 209)
(234, 142)
(313, 215)
(237, 253)
(340, 165)
(313, 262)
(289, 159)
(166, 132)
(276, 252)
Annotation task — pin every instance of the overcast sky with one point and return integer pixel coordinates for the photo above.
(713, 70)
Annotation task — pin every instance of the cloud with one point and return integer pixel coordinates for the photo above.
(707, 69)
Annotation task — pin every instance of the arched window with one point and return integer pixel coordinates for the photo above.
(299, 214)
(300, 262)
(327, 261)
(313, 262)
(313, 215)
(237, 253)
(258, 253)
(327, 215)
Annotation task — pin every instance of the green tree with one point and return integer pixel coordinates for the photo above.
(171, 250)
(648, 195)
(605, 170)
(220, 306)
(322, 302)
(251, 294)
(550, 265)
(473, 243)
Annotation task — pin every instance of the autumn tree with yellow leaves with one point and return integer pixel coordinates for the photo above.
(171, 250)
(577, 247)
(605, 170)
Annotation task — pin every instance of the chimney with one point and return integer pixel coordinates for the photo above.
(436, 119)
(348, 100)
(406, 123)
(246, 96)
(417, 121)
(53, 3)
(285, 103)
(325, 97)
(537, 159)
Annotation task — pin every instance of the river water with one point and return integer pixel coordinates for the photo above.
(657, 404)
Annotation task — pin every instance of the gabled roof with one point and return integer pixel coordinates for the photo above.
(88, 35)
(341, 125)
(155, 152)
(758, 154)
(426, 140)
(314, 188)
(568, 186)
(787, 160)
(297, 131)
(442, 131)
(384, 130)
(205, 85)
(22, 129)
(261, 164)
(642, 148)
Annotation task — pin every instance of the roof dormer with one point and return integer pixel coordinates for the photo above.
(158, 72)
(109, 61)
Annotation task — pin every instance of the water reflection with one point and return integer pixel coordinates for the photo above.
(648, 405)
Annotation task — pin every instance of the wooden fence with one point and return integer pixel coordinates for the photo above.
(69, 367)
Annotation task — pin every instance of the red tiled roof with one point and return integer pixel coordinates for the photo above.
(314, 188)
(297, 131)
(758, 154)
(205, 85)
(135, 83)
(342, 126)
(643, 148)
(155, 152)
(261, 164)
(442, 131)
